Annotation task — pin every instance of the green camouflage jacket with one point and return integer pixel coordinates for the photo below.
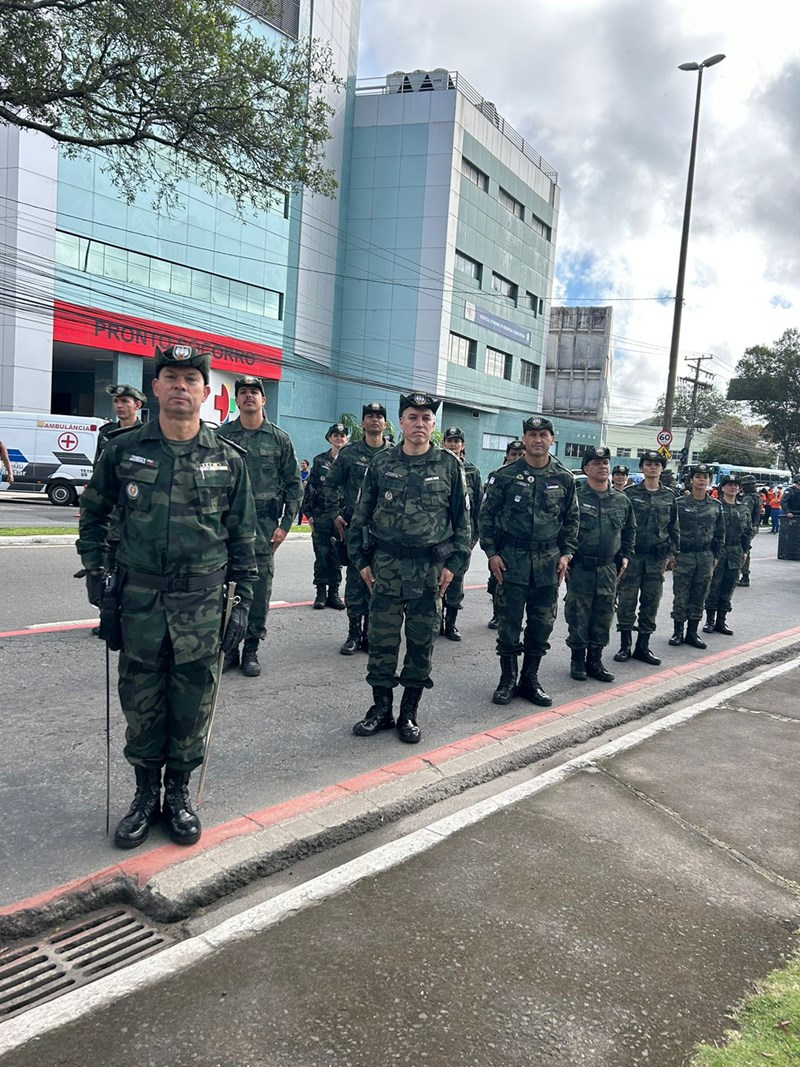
(314, 504)
(657, 531)
(738, 533)
(413, 502)
(274, 476)
(701, 524)
(607, 524)
(474, 482)
(105, 431)
(346, 475)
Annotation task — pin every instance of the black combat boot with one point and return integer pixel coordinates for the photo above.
(595, 667)
(624, 646)
(363, 644)
(721, 627)
(691, 635)
(145, 810)
(353, 639)
(231, 660)
(319, 600)
(710, 620)
(450, 631)
(744, 581)
(379, 716)
(494, 622)
(677, 634)
(507, 686)
(251, 668)
(642, 651)
(407, 729)
(181, 818)
(577, 664)
(529, 681)
(333, 600)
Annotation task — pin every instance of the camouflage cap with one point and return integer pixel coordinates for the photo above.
(699, 468)
(537, 422)
(419, 400)
(373, 409)
(454, 433)
(248, 381)
(595, 452)
(515, 446)
(729, 479)
(748, 479)
(337, 427)
(652, 456)
(183, 356)
(126, 390)
(619, 469)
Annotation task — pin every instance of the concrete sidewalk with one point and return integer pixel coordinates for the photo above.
(168, 883)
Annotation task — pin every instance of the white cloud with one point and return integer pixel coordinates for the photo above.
(594, 86)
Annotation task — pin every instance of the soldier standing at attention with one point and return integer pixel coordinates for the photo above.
(619, 478)
(327, 564)
(753, 501)
(606, 537)
(529, 531)
(657, 544)
(702, 536)
(454, 597)
(339, 499)
(413, 503)
(186, 525)
(735, 543)
(514, 450)
(275, 481)
(128, 402)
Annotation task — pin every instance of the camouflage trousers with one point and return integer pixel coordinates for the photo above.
(589, 605)
(262, 592)
(690, 581)
(723, 583)
(643, 580)
(356, 594)
(539, 605)
(327, 568)
(166, 709)
(405, 592)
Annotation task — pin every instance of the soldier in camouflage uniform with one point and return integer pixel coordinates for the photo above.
(339, 495)
(454, 597)
(277, 491)
(619, 477)
(752, 498)
(702, 536)
(606, 537)
(327, 561)
(529, 531)
(736, 542)
(657, 544)
(514, 450)
(186, 524)
(413, 504)
(128, 402)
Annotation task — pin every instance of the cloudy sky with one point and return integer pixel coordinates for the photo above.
(593, 85)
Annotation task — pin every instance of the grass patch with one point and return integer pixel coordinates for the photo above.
(305, 528)
(769, 1026)
(36, 531)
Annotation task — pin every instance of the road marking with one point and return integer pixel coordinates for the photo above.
(80, 1002)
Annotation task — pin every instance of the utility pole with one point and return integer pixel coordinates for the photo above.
(696, 385)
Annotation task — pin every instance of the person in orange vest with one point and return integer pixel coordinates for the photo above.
(765, 504)
(775, 495)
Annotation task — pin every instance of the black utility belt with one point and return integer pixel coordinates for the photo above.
(695, 548)
(592, 561)
(188, 584)
(435, 553)
(526, 543)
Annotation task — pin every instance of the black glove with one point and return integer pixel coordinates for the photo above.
(236, 628)
(95, 584)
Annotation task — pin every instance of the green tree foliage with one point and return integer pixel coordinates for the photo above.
(769, 380)
(169, 91)
(711, 407)
(731, 441)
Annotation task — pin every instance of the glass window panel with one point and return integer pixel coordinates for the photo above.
(95, 258)
(201, 286)
(272, 304)
(238, 297)
(115, 264)
(68, 250)
(255, 300)
(181, 281)
(220, 291)
(139, 269)
(160, 275)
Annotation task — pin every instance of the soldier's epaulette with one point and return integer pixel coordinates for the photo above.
(121, 430)
(232, 444)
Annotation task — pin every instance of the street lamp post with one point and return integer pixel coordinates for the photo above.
(669, 402)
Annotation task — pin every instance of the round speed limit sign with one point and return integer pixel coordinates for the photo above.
(664, 438)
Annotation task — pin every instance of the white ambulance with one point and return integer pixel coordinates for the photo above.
(51, 454)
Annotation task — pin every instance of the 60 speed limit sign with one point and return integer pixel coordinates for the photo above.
(664, 437)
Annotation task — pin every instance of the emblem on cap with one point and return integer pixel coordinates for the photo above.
(419, 398)
(249, 379)
(181, 352)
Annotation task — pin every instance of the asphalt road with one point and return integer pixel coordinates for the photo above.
(29, 509)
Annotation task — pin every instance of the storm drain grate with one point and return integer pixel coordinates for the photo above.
(72, 957)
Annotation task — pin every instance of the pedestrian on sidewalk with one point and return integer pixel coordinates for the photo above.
(775, 503)
(606, 539)
(736, 542)
(410, 536)
(325, 540)
(185, 523)
(702, 535)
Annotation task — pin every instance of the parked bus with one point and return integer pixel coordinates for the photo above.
(762, 475)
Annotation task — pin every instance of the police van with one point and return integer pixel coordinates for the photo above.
(50, 454)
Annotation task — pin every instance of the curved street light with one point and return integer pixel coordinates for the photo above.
(669, 400)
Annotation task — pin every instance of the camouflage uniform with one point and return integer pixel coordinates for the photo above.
(657, 538)
(454, 594)
(340, 494)
(753, 502)
(327, 565)
(607, 529)
(185, 522)
(275, 482)
(738, 533)
(529, 516)
(105, 432)
(702, 535)
(411, 505)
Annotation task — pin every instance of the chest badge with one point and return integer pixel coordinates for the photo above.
(132, 489)
(388, 495)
